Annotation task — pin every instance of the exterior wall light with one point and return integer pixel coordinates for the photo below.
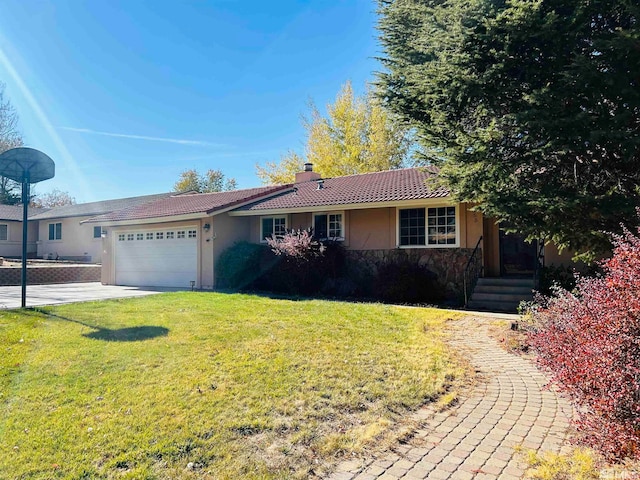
(206, 227)
(103, 233)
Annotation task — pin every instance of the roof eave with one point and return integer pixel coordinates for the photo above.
(145, 221)
(346, 206)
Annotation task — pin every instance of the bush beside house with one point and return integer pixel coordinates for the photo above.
(589, 340)
(399, 276)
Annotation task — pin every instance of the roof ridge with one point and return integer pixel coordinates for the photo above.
(392, 170)
(195, 194)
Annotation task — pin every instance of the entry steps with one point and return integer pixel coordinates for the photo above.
(502, 294)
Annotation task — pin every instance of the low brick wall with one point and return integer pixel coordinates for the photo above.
(42, 275)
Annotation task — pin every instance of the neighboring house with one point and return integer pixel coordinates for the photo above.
(62, 235)
(11, 230)
(176, 241)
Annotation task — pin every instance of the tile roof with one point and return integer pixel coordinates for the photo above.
(187, 204)
(14, 212)
(387, 186)
(99, 208)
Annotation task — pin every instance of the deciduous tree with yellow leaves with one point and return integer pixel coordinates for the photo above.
(356, 136)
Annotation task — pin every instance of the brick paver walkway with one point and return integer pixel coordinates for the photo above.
(477, 439)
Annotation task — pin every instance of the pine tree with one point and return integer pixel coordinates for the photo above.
(531, 108)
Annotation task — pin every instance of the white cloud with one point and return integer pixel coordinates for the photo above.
(179, 141)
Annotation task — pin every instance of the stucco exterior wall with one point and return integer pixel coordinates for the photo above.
(12, 246)
(298, 221)
(225, 232)
(376, 228)
(77, 240)
(471, 226)
(372, 229)
(491, 242)
(553, 256)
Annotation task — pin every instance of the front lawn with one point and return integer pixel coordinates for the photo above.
(205, 385)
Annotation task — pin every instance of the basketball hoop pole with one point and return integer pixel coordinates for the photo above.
(25, 209)
(26, 165)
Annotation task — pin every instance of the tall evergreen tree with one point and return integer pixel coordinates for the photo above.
(531, 107)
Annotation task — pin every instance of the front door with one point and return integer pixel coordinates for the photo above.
(517, 257)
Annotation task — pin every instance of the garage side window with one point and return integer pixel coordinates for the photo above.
(55, 231)
(4, 232)
(272, 226)
(97, 232)
(328, 226)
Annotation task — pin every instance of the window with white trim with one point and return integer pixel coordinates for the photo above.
(272, 226)
(121, 237)
(97, 232)
(55, 231)
(192, 233)
(328, 226)
(181, 234)
(4, 231)
(139, 236)
(170, 235)
(130, 237)
(432, 226)
(149, 235)
(159, 235)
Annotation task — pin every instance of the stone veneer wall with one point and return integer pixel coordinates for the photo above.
(447, 264)
(42, 275)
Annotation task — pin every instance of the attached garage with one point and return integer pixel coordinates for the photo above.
(158, 258)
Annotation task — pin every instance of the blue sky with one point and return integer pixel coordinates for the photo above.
(124, 95)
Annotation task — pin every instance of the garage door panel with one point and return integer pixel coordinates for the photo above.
(153, 261)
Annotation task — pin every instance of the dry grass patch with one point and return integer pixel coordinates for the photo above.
(202, 385)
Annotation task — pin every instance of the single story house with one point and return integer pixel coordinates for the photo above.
(11, 230)
(176, 241)
(60, 233)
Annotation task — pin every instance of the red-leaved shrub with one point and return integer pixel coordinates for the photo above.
(296, 244)
(589, 341)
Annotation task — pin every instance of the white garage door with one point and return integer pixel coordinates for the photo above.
(156, 258)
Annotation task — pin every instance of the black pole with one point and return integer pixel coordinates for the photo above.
(25, 208)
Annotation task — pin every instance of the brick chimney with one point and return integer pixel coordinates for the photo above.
(308, 174)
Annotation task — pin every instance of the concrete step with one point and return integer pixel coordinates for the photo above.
(488, 289)
(508, 307)
(506, 281)
(501, 294)
(500, 297)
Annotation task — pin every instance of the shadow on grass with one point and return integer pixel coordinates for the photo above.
(128, 334)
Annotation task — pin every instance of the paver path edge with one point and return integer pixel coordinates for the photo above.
(478, 438)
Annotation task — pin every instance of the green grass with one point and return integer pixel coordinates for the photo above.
(240, 386)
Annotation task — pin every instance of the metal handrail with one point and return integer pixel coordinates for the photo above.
(539, 264)
(467, 270)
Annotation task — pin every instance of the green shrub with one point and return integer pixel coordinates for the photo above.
(404, 281)
(240, 266)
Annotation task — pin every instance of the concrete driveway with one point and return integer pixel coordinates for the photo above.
(71, 292)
